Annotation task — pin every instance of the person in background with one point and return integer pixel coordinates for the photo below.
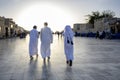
(33, 43)
(97, 34)
(68, 44)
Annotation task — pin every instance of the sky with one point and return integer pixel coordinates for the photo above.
(58, 13)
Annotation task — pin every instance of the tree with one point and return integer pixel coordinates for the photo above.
(93, 16)
(96, 15)
(107, 14)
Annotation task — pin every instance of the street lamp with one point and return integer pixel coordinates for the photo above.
(11, 26)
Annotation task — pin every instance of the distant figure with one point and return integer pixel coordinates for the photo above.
(6, 32)
(33, 43)
(46, 38)
(68, 44)
(61, 34)
(97, 34)
(100, 35)
(11, 32)
(58, 34)
(14, 34)
(22, 34)
(103, 34)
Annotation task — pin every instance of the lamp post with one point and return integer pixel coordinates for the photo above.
(11, 26)
(11, 30)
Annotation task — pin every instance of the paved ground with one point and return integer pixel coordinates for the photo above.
(94, 60)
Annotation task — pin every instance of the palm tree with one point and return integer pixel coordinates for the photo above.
(93, 16)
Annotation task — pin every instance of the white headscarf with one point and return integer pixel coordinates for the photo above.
(68, 31)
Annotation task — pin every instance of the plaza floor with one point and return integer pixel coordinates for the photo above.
(94, 59)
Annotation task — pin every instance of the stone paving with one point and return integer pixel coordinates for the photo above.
(94, 59)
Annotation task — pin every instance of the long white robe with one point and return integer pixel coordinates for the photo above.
(46, 38)
(68, 48)
(33, 43)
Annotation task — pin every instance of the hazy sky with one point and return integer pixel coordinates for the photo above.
(57, 13)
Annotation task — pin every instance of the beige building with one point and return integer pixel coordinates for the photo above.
(82, 28)
(7, 27)
(104, 24)
(2, 27)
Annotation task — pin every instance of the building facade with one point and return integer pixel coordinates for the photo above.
(8, 28)
(82, 28)
(2, 27)
(104, 24)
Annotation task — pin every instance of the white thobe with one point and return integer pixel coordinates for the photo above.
(33, 43)
(68, 48)
(46, 38)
